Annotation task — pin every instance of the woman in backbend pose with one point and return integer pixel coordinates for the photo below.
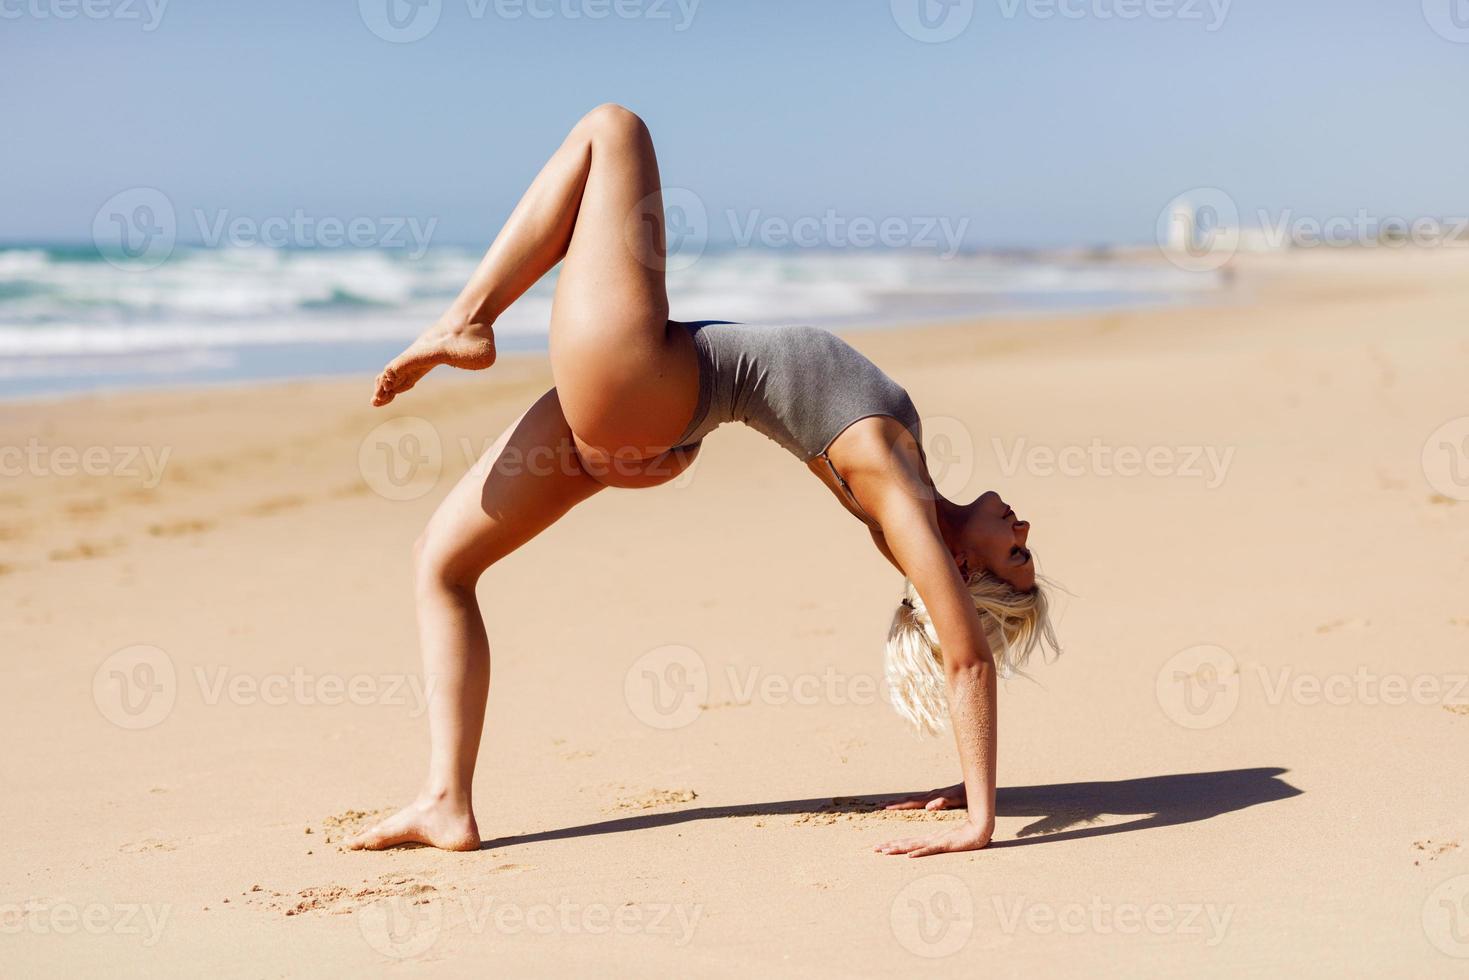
(635, 394)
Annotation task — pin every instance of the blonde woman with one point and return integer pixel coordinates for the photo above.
(635, 394)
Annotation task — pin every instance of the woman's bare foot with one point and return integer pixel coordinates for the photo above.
(470, 346)
(436, 820)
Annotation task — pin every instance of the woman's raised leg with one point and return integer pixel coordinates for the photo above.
(628, 378)
(528, 479)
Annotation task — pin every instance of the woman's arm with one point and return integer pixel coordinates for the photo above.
(911, 532)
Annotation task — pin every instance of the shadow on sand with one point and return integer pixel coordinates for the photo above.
(1063, 810)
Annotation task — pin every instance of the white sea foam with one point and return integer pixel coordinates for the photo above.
(60, 303)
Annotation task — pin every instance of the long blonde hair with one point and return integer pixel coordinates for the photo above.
(1015, 623)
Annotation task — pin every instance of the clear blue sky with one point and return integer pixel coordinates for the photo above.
(1039, 131)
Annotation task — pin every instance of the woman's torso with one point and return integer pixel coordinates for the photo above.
(800, 386)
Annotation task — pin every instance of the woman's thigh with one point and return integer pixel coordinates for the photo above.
(523, 484)
(628, 379)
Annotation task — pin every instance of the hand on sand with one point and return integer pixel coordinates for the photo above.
(437, 821)
(470, 346)
(948, 798)
(968, 836)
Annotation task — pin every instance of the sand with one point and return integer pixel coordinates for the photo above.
(1251, 757)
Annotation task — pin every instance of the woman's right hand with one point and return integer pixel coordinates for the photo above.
(948, 798)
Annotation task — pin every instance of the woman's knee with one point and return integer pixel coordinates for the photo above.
(437, 565)
(613, 120)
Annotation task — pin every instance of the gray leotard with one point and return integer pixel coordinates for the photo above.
(800, 386)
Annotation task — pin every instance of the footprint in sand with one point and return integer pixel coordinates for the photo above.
(1428, 850)
(174, 529)
(85, 549)
(276, 505)
(655, 798)
(336, 899)
(339, 827)
(1344, 624)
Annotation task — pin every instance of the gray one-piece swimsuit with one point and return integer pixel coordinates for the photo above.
(800, 386)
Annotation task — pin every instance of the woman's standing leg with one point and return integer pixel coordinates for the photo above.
(523, 484)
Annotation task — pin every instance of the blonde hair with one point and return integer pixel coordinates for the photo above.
(1015, 624)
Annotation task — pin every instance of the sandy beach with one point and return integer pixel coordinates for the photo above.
(1250, 757)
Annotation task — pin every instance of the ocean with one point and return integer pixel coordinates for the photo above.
(74, 320)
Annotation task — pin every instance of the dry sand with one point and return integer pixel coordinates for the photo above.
(1252, 756)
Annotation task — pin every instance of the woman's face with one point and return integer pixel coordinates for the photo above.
(993, 539)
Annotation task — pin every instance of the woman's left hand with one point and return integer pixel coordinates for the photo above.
(968, 836)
